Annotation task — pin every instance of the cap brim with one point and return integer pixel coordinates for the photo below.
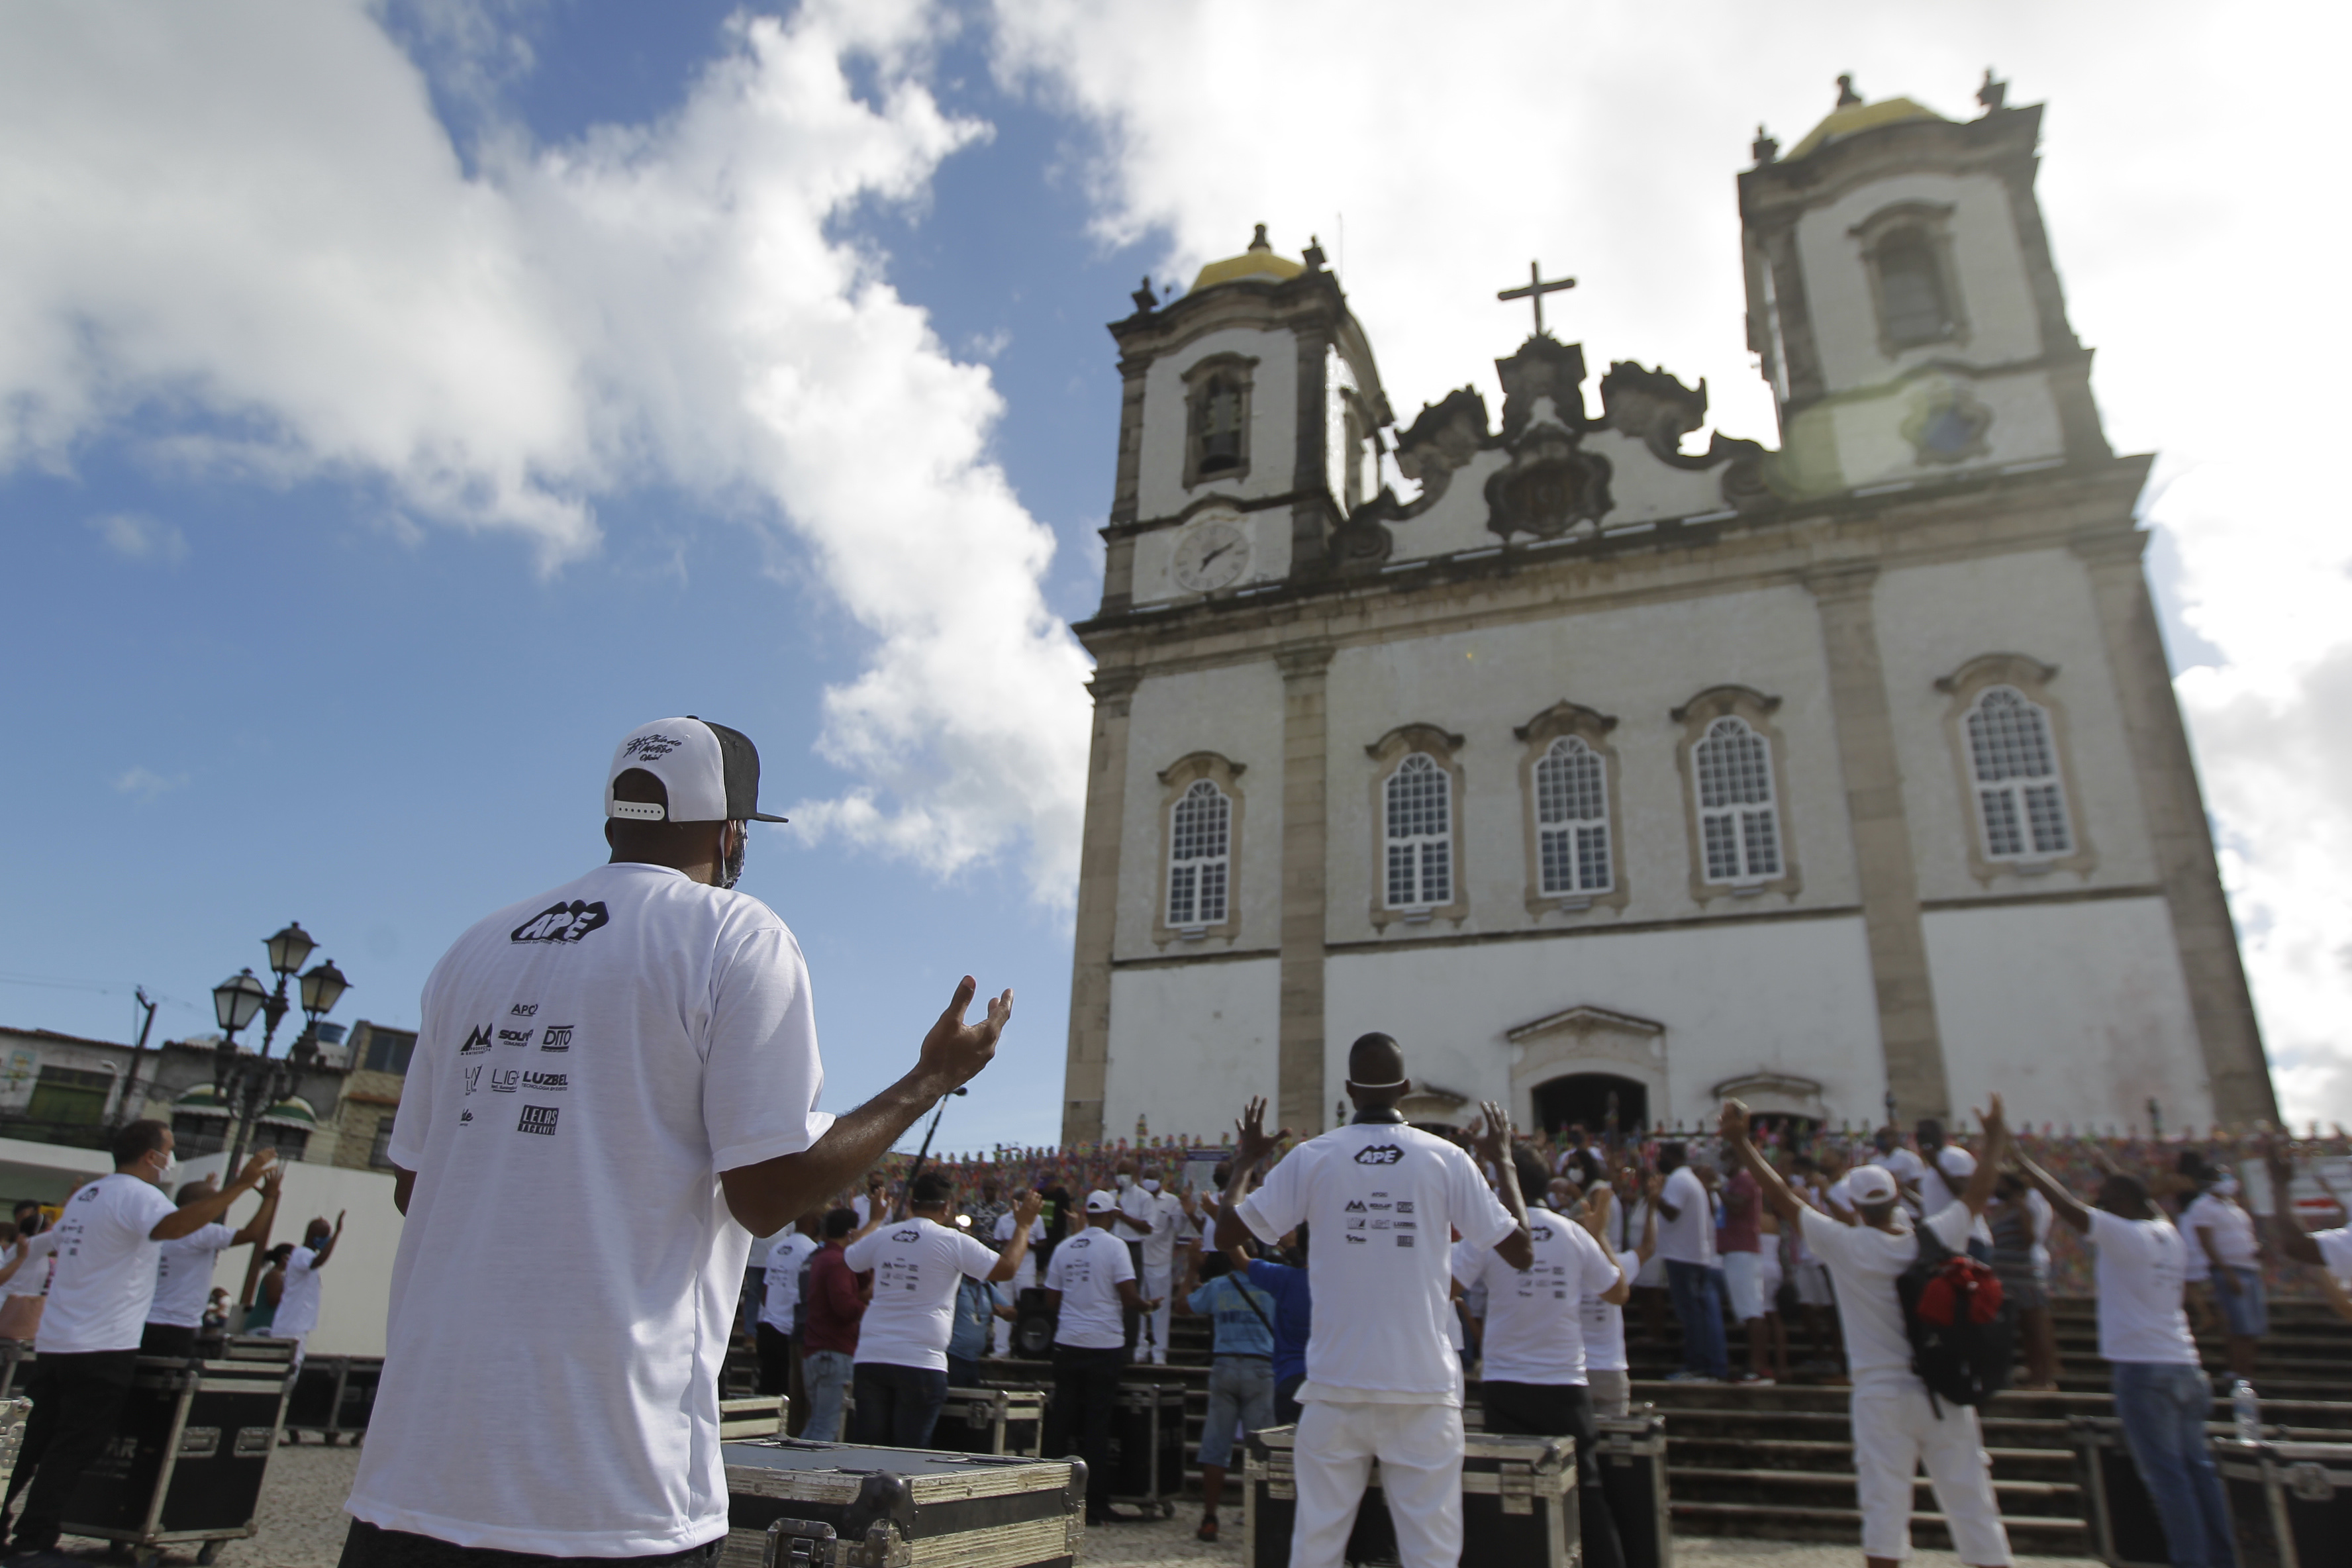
(763, 816)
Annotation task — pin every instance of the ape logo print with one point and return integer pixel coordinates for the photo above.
(1378, 1154)
(475, 1043)
(562, 923)
(651, 748)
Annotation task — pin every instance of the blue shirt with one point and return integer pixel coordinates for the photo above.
(1294, 1314)
(975, 1309)
(1239, 1330)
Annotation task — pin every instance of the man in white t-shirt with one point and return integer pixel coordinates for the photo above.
(1944, 1171)
(1383, 1200)
(2330, 1250)
(1687, 1241)
(776, 1335)
(1896, 1425)
(184, 1268)
(105, 1244)
(1090, 1289)
(901, 1376)
(614, 1090)
(1024, 1277)
(2162, 1400)
(1165, 1212)
(1532, 1378)
(297, 1298)
(1606, 1370)
(2221, 1234)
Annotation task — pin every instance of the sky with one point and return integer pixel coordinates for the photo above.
(401, 402)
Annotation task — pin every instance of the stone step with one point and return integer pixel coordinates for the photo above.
(1777, 1454)
(1835, 1489)
(2039, 1536)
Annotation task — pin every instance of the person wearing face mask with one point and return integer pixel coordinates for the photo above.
(614, 1088)
(297, 1298)
(183, 1269)
(2218, 1229)
(1165, 1215)
(106, 1245)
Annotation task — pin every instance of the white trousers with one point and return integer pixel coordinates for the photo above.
(1008, 1293)
(1895, 1429)
(1420, 1450)
(1157, 1284)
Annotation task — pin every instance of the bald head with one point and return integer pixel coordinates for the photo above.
(1375, 1061)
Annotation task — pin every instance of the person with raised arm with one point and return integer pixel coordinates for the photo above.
(1606, 1370)
(1384, 1200)
(1896, 1423)
(2162, 1400)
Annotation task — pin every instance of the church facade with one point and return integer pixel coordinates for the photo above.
(1612, 776)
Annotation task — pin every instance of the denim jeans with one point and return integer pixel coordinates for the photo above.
(2162, 1406)
(898, 1405)
(1240, 1391)
(1698, 1306)
(827, 1374)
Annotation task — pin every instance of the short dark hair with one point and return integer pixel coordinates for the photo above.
(135, 1140)
(189, 1193)
(1671, 1157)
(839, 1223)
(1215, 1265)
(1533, 1177)
(932, 1188)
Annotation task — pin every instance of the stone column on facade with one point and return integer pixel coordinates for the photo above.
(2218, 998)
(1310, 511)
(1126, 503)
(1305, 753)
(1088, 1065)
(1908, 1030)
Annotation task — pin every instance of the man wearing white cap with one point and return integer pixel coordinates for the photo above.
(1090, 1284)
(614, 1090)
(1896, 1423)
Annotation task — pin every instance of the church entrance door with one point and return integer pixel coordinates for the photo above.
(1587, 1097)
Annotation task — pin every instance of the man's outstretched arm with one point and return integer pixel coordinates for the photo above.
(1775, 1192)
(2070, 1209)
(767, 1196)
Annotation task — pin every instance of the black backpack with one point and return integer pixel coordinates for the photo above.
(1963, 1334)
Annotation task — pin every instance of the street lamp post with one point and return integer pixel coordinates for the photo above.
(249, 1085)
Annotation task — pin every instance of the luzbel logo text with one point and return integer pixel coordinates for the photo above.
(562, 923)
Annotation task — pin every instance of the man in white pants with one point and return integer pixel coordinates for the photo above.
(1165, 1211)
(1382, 1199)
(298, 1304)
(1895, 1425)
(1024, 1277)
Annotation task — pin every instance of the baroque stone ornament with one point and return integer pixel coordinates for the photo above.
(1946, 424)
(1656, 409)
(1552, 487)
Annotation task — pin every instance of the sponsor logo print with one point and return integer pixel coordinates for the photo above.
(1355, 1225)
(1379, 1225)
(1383, 1206)
(505, 1081)
(1354, 1206)
(473, 1077)
(1405, 1241)
(540, 1118)
(1404, 1224)
(475, 1043)
(1378, 1154)
(907, 1236)
(522, 1010)
(1404, 1205)
(514, 1036)
(547, 1082)
(651, 748)
(1355, 1240)
(466, 1119)
(558, 1038)
(562, 923)
(1540, 1232)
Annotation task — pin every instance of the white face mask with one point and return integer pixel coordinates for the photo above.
(1125, 1180)
(1151, 1184)
(171, 1168)
(2226, 1187)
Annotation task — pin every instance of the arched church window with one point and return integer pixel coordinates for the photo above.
(1420, 834)
(1220, 427)
(1572, 820)
(2020, 801)
(1217, 419)
(1200, 856)
(1912, 297)
(1739, 830)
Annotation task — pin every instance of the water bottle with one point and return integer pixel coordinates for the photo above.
(2247, 1410)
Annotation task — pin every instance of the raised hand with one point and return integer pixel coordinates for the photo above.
(256, 1167)
(1250, 1144)
(1493, 1137)
(1026, 1214)
(1996, 1123)
(1734, 1124)
(954, 1052)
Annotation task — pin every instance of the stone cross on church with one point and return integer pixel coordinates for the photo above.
(1534, 291)
(1606, 772)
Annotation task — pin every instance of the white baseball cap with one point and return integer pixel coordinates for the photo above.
(1869, 1184)
(710, 772)
(1100, 1202)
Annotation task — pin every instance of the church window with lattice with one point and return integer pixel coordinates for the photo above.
(1739, 828)
(1420, 834)
(2020, 801)
(1572, 820)
(1200, 856)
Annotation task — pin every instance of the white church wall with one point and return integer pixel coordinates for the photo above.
(1873, 448)
(1189, 1044)
(1235, 710)
(1274, 414)
(1636, 662)
(1996, 301)
(1458, 521)
(1788, 997)
(1934, 619)
(2073, 1012)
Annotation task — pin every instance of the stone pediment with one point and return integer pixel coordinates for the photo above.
(1583, 1020)
(1772, 1093)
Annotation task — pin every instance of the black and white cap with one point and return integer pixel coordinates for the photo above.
(710, 772)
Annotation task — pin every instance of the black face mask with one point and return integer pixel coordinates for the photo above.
(733, 872)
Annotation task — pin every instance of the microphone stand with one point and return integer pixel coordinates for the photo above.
(924, 1153)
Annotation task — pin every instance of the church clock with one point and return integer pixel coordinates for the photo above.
(1212, 556)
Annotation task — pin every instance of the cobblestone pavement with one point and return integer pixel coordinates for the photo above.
(303, 1523)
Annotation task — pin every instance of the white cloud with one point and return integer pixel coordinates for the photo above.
(1459, 142)
(136, 537)
(146, 783)
(248, 217)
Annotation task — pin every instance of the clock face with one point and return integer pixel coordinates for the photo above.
(1212, 556)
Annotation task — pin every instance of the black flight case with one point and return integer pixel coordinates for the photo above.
(1632, 1458)
(1519, 1504)
(846, 1506)
(333, 1395)
(186, 1465)
(1147, 1446)
(2291, 1502)
(2125, 1532)
(992, 1421)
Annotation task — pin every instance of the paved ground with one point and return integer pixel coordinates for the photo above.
(302, 1524)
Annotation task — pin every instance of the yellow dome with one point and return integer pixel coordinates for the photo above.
(1848, 119)
(1258, 261)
